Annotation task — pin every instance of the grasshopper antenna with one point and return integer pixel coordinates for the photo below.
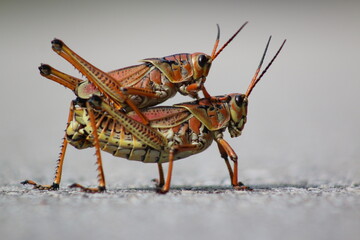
(256, 79)
(214, 55)
(216, 42)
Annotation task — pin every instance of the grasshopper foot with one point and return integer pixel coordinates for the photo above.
(161, 190)
(88, 190)
(241, 187)
(54, 186)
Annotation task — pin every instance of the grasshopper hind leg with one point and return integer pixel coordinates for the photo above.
(59, 165)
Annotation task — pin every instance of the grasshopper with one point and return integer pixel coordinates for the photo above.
(174, 132)
(143, 85)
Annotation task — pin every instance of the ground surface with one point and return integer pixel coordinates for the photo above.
(214, 212)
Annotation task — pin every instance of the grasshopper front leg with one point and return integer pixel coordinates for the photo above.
(226, 151)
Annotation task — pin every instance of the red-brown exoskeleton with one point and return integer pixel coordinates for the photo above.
(173, 132)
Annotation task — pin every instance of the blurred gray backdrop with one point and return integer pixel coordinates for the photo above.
(303, 122)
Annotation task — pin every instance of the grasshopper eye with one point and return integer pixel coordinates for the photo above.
(202, 60)
(239, 99)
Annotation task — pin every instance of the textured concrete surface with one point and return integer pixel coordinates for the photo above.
(215, 212)
(300, 148)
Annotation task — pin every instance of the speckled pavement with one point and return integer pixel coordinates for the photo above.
(213, 212)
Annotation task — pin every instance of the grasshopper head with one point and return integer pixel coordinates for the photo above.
(238, 111)
(201, 65)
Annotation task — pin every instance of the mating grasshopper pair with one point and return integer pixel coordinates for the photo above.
(101, 116)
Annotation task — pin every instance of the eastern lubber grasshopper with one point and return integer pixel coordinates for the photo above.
(173, 132)
(146, 84)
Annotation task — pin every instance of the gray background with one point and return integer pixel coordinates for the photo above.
(300, 148)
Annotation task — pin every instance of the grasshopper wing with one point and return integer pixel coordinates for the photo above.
(164, 117)
(129, 76)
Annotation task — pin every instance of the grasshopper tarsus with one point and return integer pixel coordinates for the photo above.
(54, 186)
(160, 186)
(99, 189)
(28, 182)
(241, 187)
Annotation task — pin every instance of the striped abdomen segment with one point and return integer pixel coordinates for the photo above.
(115, 139)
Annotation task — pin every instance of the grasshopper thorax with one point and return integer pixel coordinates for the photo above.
(238, 111)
